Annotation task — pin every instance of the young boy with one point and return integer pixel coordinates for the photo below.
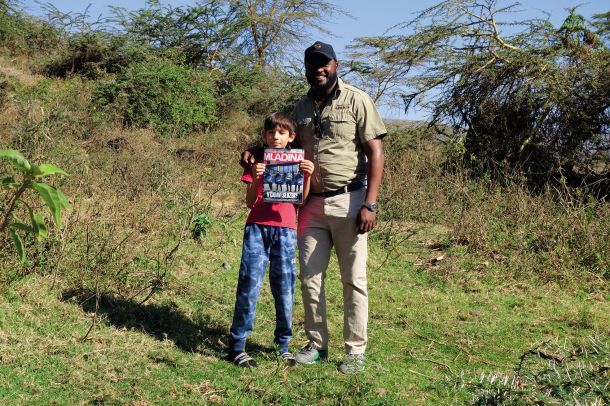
(269, 238)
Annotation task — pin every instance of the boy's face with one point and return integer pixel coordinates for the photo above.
(278, 137)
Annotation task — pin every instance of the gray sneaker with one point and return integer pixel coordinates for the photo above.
(352, 364)
(310, 354)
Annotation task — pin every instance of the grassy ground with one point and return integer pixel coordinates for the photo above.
(449, 323)
(428, 333)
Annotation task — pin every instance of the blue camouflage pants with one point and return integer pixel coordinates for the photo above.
(265, 245)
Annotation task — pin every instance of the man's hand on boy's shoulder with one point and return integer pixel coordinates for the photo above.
(246, 160)
(248, 157)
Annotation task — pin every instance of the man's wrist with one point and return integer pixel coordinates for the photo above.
(371, 206)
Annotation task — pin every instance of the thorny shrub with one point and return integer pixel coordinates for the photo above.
(91, 55)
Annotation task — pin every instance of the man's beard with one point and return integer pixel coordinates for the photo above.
(331, 79)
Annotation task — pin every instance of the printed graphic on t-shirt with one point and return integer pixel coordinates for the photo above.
(283, 177)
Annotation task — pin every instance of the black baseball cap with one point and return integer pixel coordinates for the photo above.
(321, 48)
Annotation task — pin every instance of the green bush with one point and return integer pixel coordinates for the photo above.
(172, 99)
(30, 179)
(23, 34)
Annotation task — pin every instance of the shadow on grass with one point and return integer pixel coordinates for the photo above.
(164, 322)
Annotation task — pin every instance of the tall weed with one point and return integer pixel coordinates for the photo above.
(554, 235)
(4, 90)
(413, 185)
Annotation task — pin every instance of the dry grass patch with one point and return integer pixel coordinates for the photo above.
(17, 68)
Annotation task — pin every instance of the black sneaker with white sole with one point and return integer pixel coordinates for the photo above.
(289, 359)
(243, 360)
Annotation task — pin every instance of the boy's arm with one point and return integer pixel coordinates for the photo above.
(251, 193)
(307, 171)
(252, 188)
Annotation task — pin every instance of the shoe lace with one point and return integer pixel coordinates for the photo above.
(309, 347)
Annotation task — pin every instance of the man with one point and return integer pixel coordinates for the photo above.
(341, 131)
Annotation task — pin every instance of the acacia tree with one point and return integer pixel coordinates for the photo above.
(206, 33)
(602, 23)
(273, 26)
(522, 94)
(379, 69)
(212, 30)
(372, 69)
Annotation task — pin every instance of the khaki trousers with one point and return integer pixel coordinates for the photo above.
(325, 223)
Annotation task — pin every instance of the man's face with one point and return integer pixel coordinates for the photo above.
(321, 72)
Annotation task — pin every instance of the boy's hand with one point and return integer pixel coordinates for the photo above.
(258, 170)
(307, 167)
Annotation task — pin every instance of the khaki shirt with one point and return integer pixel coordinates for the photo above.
(348, 120)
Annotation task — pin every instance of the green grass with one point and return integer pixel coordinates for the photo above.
(427, 333)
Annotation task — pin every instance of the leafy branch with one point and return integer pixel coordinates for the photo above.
(31, 178)
(523, 95)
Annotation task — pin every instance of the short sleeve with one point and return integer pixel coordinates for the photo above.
(368, 121)
(246, 177)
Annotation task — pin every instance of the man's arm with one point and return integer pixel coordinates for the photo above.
(367, 220)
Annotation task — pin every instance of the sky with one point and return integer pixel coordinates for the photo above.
(369, 18)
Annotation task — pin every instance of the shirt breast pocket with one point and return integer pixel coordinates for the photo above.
(342, 124)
